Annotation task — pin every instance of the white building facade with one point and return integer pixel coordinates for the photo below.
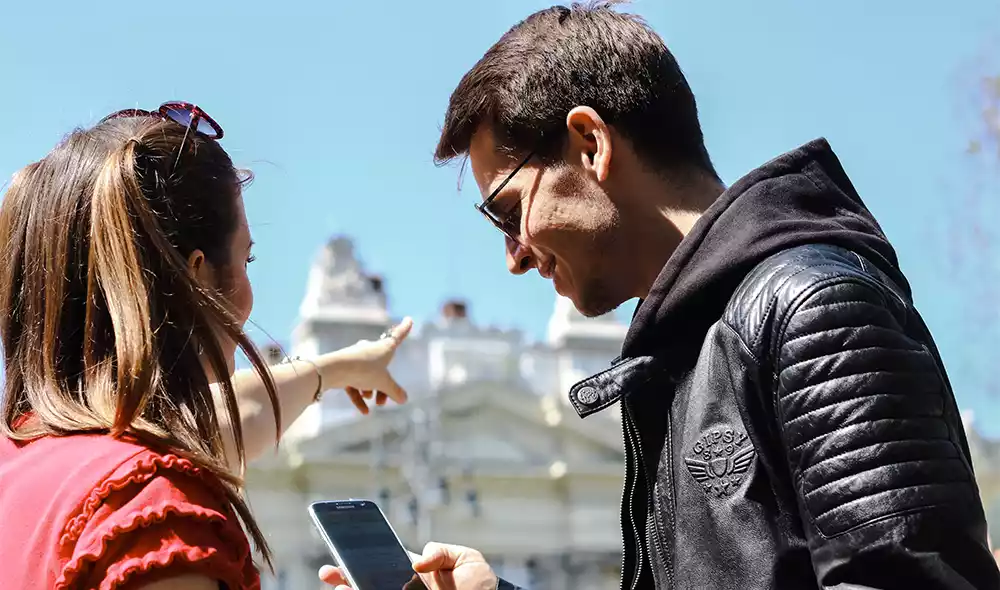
(487, 453)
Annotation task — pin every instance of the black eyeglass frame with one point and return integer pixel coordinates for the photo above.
(501, 223)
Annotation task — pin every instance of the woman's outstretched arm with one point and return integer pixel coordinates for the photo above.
(360, 369)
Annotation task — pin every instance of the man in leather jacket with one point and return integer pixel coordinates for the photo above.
(788, 421)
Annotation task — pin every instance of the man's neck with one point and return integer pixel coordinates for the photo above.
(654, 224)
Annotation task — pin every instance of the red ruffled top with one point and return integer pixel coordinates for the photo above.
(90, 511)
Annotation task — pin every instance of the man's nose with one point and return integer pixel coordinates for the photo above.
(519, 259)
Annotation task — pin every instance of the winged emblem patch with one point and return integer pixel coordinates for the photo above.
(720, 459)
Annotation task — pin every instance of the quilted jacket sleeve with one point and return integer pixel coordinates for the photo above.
(875, 447)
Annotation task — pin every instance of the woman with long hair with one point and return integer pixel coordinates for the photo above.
(125, 430)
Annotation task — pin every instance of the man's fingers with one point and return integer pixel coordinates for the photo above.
(380, 398)
(357, 399)
(437, 557)
(333, 576)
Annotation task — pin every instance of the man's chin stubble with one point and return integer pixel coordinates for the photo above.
(595, 302)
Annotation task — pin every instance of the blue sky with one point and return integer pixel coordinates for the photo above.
(337, 106)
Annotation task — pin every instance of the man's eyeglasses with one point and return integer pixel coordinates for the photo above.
(509, 224)
(190, 116)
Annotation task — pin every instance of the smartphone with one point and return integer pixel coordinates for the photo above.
(367, 550)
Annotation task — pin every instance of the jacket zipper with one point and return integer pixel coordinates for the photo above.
(630, 451)
(667, 564)
(625, 492)
(651, 516)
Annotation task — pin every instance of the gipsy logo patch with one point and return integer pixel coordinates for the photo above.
(720, 459)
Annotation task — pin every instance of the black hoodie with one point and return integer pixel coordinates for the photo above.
(801, 197)
(858, 471)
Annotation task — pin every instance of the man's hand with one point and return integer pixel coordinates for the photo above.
(452, 567)
(441, 567)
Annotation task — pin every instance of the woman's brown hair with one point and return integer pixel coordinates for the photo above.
(104, 329)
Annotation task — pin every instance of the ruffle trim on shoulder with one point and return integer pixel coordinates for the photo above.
(145, 468)
(192, 555)
(225, 557)
(226, 560)
(208, 561)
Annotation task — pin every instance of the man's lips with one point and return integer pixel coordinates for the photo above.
(548, 271)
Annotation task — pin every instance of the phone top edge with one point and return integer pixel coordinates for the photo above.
(355, 504)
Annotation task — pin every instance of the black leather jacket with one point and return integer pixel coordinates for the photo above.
(788, 421)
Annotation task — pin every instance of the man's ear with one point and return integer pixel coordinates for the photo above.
(589, 141)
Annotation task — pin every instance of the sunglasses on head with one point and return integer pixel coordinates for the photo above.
(190, 116)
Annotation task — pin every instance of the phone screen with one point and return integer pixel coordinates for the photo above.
(367, 546)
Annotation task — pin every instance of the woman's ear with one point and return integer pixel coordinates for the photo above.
(199, 268)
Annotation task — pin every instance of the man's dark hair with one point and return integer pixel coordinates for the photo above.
(589, 55)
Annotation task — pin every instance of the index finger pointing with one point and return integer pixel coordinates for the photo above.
(401, 330)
